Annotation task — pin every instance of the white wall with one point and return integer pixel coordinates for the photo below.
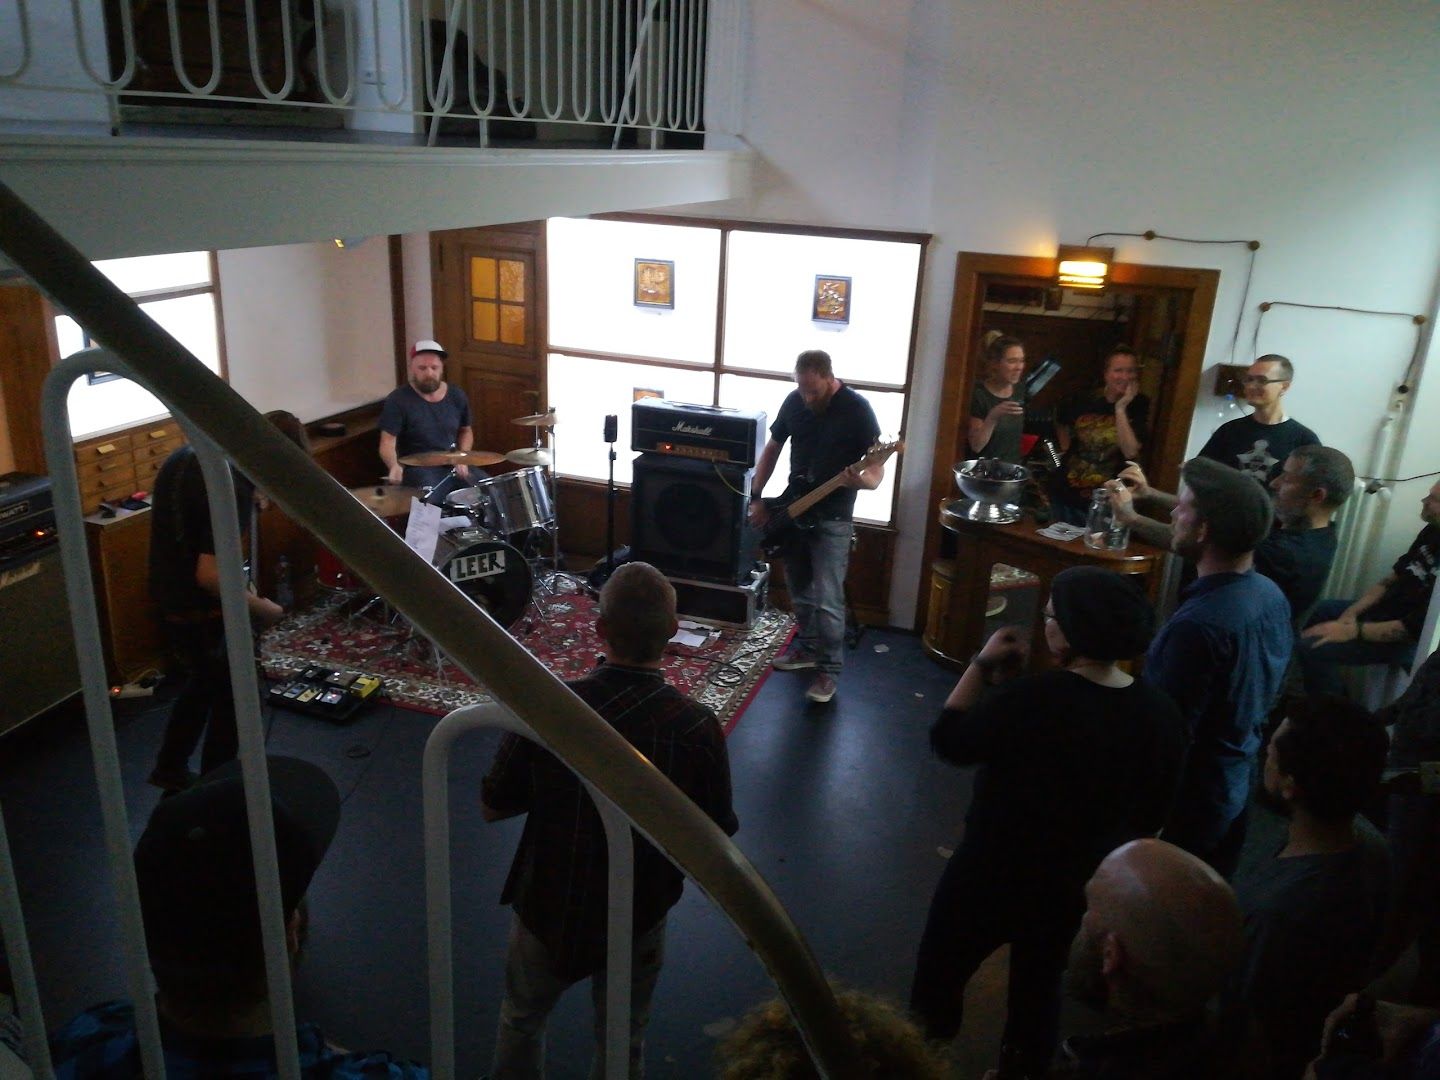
(1310, 126)
(308, 326)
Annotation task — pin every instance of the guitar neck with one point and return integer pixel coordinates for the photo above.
(806, 501)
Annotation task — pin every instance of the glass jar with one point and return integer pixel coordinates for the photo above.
(1102, 531)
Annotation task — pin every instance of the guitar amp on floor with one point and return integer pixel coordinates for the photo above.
(327, 693)
(730, 606)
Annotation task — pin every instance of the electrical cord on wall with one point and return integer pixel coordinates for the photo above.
(1253, 245)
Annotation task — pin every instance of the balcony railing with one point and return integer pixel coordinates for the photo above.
(486, 72)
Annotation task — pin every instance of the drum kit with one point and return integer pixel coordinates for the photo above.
(506, 557)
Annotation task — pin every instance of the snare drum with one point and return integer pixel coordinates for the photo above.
(519, 501)
(474, 503)
(490, 572)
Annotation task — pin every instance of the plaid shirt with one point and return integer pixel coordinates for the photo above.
(558, 882)
(101, 1044)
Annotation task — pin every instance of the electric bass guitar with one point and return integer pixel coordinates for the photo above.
(790, 515)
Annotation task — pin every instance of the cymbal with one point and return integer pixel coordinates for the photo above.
(539, 419)
(529, 455)
(454, 457)
(386, 500)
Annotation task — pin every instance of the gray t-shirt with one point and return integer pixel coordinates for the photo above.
(1005, 440)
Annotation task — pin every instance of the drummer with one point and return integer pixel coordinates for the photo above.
(426, 414)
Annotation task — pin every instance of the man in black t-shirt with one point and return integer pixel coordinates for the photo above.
(1382, 626)
(185, 585)
(830, 428)
(1258, 444)
(1313, 485)
(425, 414)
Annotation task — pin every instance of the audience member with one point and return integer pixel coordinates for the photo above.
(1313, 911)
(558, 881)
(1097, 432)
(1221, 656)
(767, 1044)
(1381, 627)
(1258, 444)
(1413, 828)
(1312, 486)
(1409, 1044)
(1161, 935)
(196, 878)
(1073, 762)
(185, 585)
(997, 401)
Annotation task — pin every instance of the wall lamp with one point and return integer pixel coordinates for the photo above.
(1080, 267)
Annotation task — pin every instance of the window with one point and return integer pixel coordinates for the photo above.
(178, 292)
(744, 306)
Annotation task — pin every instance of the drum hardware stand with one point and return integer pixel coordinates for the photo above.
(612, 432)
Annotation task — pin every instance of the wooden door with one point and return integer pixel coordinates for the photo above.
(489, 312)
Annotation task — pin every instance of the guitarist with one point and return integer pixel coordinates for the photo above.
(832, 427)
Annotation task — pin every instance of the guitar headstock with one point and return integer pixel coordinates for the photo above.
(881, 451)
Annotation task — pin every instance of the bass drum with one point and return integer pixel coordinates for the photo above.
(490, 572)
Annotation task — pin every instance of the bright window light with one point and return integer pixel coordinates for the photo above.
(770, 282)
(592, 288)
(584, 391)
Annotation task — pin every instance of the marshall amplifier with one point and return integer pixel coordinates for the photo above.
(27, 516)
(728, 436)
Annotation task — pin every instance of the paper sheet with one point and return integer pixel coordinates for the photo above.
(423, 529)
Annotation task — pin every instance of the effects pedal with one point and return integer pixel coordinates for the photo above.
(335, 695)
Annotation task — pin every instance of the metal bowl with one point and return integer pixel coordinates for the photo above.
(992, 491)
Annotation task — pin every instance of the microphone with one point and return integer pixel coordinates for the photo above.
(612, 428)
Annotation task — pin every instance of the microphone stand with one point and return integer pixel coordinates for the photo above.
(611, 434)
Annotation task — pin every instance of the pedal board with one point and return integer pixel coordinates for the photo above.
(331, 694)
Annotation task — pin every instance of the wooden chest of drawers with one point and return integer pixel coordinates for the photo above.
(114, 466)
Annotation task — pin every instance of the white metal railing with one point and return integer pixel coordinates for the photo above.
(593, 63)
(234, 433)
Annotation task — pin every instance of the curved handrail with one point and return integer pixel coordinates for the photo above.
(313, 499)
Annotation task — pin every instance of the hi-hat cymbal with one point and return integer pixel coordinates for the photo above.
(539, 419)
(529, 455)
(454, 457)
(386, 500)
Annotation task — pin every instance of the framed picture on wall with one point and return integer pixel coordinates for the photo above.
(655, 283)
(832, 299)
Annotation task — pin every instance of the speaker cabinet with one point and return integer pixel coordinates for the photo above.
(687, 518)
(38, 668)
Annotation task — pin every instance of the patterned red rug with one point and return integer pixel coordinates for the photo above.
(723, 673)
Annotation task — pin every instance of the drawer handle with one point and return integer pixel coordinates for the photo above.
(108, 448)
(161, 433)
(107, 466)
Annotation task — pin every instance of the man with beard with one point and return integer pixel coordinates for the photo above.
(1313, 484)
(1384, 625)
(1222, 656)
(832, 427)
(1313, 911)
(1160, 935)
(425, 414)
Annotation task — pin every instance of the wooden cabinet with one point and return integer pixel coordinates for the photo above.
(120, 564)
(114, 466)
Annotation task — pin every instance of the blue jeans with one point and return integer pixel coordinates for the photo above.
(532, 989)
(815, 569)
(1320, 664)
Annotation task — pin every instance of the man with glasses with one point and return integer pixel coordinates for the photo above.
(1258, 444)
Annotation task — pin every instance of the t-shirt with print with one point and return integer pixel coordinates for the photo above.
(1408, 597)
(1257, 449)
(1095, 455)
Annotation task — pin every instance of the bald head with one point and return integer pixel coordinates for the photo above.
(1161, 933)
(637, 614)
